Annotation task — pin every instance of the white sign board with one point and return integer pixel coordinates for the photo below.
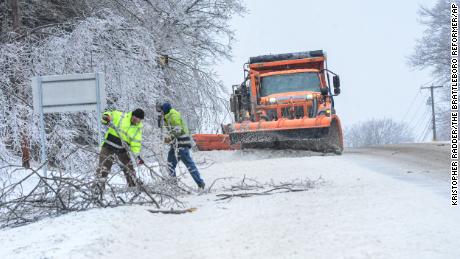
(69, 93)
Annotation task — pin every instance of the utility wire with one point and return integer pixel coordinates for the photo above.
(420, 125)
(427, 131)
(419, 114)
(419, 118)
(421, 137)
(411, 105)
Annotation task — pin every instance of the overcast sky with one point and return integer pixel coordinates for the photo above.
(367, 43)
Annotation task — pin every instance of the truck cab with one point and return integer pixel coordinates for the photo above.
(285, 98)
(285, 86)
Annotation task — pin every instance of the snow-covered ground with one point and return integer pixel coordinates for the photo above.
(372, 204)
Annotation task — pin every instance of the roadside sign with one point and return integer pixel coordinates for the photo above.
(67, 93)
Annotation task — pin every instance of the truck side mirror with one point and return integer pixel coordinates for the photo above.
(336, 91)
(324, 91)
(336, 81)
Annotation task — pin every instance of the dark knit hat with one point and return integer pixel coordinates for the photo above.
(139, 113)
(166, 107)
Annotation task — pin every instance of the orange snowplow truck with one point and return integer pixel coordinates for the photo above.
(286, 101)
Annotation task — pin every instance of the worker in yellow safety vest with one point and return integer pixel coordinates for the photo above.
(125, 132)
(180, 142)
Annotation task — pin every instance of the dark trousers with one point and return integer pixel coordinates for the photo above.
(106, 159)
(183, 154)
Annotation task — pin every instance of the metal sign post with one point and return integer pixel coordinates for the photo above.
(98, 107)
(67, 93)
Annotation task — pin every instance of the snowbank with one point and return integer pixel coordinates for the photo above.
(360, 212)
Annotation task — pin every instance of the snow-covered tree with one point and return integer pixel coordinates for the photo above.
(377, 132)
(149, 51)
(20, 28)
(432, 51)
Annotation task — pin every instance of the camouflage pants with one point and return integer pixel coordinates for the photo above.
(106, 159)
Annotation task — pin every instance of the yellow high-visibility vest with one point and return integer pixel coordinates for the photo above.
(131, 134)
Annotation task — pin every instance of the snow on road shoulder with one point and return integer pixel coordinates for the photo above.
(357, 213)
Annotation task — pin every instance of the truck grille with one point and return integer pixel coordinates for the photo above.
(298, 112)
(272, 114)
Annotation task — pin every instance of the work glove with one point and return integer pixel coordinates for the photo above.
(140, 161)
(176, 131)
(106, 119)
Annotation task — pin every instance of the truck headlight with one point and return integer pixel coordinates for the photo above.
(309, 96)
(272, 100)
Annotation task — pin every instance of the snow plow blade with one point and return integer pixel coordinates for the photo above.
(327, 139)
(208, 142)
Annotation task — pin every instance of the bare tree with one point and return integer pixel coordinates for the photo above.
(377, 132)
(432, 51)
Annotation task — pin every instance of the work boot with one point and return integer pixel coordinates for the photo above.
(98, 187)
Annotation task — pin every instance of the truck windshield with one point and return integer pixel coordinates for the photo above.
(295, 82)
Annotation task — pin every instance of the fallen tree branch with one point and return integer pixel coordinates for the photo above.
(173, 211)
(245, 190)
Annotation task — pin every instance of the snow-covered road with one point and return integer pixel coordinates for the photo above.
(374, 203)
